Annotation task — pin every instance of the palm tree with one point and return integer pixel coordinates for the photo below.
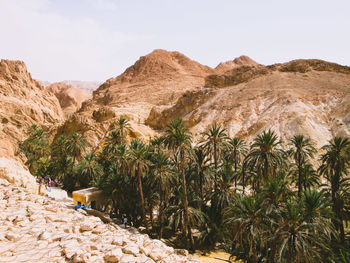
(214, 142)
(237, 151)
(177, 212)
(139, 163)
(74, 145)
(178, 139)
(88, 170)
(123, 126)
(157, 143)
(297, 239)
(163, 179)
(113, 139)
(301, 149)
(335, 165)
(36, 146)
(265, 156)
(247, 217)
(201, 161)
(276, 192)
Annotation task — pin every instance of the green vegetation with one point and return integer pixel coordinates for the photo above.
(261, 202)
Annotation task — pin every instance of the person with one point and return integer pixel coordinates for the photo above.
(125, 221)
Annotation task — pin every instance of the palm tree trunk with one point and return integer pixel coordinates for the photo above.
(337, 209)
(299, 175)
(151, 213)
(235, 169)
(161, 217)
(141, 197)
(216, 167)
(187, 217)
(201, 188)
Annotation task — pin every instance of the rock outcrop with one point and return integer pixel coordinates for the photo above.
(231, 64)
(23, 102)
(14, 172)
(70, 97)
(34, 228)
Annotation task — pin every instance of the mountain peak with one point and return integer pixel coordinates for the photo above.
(162, 64)
(237, 62)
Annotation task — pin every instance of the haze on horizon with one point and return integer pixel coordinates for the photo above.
(99, 39)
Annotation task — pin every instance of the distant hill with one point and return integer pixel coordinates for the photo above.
(69, 96)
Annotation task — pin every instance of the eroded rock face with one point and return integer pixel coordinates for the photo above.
(23, 102)
(36, 229)
(69, 97)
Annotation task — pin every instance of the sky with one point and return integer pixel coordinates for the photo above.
(93, 40)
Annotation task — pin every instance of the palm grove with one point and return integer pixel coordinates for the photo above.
(261, 202)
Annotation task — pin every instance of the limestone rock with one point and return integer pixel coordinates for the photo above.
(131, 249)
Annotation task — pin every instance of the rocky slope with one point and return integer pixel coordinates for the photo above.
(69, 97)
(302, 96)
(34, 228)
(311, 97)
(23, 102)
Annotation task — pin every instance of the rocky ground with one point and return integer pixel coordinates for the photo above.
(34, 228)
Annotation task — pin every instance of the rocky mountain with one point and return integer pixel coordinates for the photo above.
(69, 96)
(301, 96)
(23, 102)
(159, 78)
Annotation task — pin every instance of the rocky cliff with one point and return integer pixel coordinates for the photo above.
(301, 96)
(69, 97)
(23, 102)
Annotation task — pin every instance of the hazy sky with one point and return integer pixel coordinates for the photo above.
(99, 39)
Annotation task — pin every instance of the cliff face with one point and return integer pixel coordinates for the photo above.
(69, 97)
(23, 102)
(301, 96)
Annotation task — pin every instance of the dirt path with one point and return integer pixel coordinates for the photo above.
(214, 257)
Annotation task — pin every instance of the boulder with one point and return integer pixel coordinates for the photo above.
(13, 171)
(114, 255)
